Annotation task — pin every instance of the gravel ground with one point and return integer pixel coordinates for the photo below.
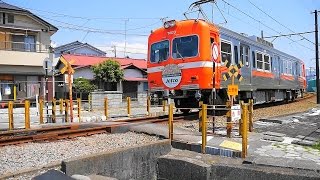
(267, 112)
(16, 158)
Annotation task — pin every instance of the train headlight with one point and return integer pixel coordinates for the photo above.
(169, 24)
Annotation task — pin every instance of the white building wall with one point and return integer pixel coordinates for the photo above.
(133, 73)
(85, 73)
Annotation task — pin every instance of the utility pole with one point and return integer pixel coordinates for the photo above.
(114, 50)
(125, 37)
(317, 55)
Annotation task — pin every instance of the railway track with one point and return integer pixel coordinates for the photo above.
(73, 130)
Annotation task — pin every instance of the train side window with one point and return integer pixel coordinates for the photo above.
(236, 56)
(289, 67)
(259, 60)
(244, 55)
(226, 53)
(266, 62)
(253, 59)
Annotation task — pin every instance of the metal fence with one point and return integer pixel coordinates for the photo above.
(22, 46)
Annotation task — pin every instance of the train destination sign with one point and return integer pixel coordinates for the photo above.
(171, 75)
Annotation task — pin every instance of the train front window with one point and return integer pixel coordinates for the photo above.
(159, 51)
(226, 53)
(185, 47)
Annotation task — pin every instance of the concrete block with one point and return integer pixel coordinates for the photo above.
(273, 138)
(303, 142)
(138, 162)
(171, 167)
(269, 133)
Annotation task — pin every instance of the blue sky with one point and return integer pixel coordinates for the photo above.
(107, 19)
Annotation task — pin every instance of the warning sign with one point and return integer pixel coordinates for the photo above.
(233, 90)
(235, 113)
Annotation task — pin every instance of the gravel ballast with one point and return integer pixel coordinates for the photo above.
(31, 155)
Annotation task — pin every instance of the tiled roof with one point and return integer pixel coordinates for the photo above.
(80, 60)
(9, 7)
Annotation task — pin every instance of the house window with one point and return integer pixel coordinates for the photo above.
(10, 18)
(244, 53)
(226, 53)
(145, 86)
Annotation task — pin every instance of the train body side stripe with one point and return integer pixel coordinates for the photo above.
(188, 65)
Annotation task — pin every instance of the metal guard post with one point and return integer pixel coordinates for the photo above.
(128, 106)
(79, 108)
(54, 110)
(244, 118)
(27, 114)
(148, 105)
(10, 113)
(106, 107)
(170, 123)
(41, 110)
(204, 128)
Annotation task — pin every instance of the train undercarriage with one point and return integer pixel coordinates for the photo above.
(191, 98)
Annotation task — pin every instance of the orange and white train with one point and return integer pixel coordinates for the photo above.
(187, 60)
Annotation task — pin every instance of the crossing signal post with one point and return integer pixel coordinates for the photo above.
(233, 72)
(68, 68)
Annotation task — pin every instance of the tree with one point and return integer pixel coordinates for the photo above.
(108, 71)
(82, 85)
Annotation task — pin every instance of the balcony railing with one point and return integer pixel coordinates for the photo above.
(25, 47)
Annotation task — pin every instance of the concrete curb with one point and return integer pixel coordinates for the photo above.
(31, 170)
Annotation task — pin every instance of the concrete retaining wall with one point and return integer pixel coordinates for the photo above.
(114, 99)
(189, 165)
(137, 162)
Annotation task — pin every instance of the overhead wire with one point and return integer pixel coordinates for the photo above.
(279, 22)
(263, 24)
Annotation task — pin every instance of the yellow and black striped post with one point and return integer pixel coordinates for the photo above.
(41, 111)
(79, 109)
(106, 107)
(204, 128)
(129, 106)
(27, 114)
(10, 114)
(54, 109)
